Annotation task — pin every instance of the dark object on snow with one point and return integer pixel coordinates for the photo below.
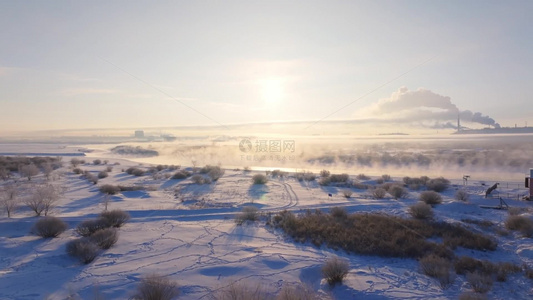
(330, 195)
(489, 190)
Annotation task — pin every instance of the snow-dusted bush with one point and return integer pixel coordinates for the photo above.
(339, 177)
(135, 171)
(248, 213)
(439, 268)
(398, 192)
(259, 179)
(242, 291)
(379, 193)
(362, 177)
(335, 270)
(520, 223)
(156, 287)
(430, 197)
(109, 189)
(84, 249)
(198, 179)
(181, 175)
(49, 227)
(105, 238)
(481, 283)
(347, 193)
(386, 177)
(438, 184)
(102, 174)
(115, 218)
(462, 195)
(88, 227)
(421, 210)
(297, 292)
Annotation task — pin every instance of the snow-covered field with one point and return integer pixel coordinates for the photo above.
(187, 232)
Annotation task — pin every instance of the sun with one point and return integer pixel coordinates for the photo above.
(272, 90)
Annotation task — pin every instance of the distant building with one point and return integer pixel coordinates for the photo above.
(139, 133)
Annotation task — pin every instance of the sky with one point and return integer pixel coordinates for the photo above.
(137, 64)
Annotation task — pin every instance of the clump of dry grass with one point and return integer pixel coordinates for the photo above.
(242, 291)
(335, 270)
(439, 268)
(379, 193)
(520, 223)
(481, 283)
(462, 195)
(431, 197)
(378, 234)
(156, 287)
(248, 213)
(421, 211)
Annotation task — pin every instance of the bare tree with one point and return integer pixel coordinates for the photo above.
(47, 170)
(43, 199)
(28, 171)
(8, 199)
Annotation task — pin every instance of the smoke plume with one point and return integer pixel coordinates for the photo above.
(423, 107)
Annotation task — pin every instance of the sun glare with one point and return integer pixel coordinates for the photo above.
(272, 90)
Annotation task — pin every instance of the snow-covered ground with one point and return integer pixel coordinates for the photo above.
(187, 232)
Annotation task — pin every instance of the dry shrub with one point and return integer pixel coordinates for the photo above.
(49, 227)
(297, 292)
(379, 234)
(472, 296)
(115, 218)
(362, 177)
(520, 223)
(379, 193)
(503, 269)
(102, 174)
(515, 211)
(398, 192)
(439, 268)
(528, 272)
(198, 179)
(430, 197)
(324, 173)
(339, 177)
(324, 181)
(248, 213)
(109, 189)
(386, 177)
(339, 213)
(84, 249)
(105, 238)
(481, 283)
(259, 179)
(335, 269)
(467, 264)
(438, 184)
(181, 175)
(347, 193)
(242, 291)
(88, 227)
(421, 211)
(462, 195)
(156, 287)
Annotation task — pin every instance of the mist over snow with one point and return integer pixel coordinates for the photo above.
(421, 107)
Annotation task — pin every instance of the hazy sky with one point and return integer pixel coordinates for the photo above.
(92, 64)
